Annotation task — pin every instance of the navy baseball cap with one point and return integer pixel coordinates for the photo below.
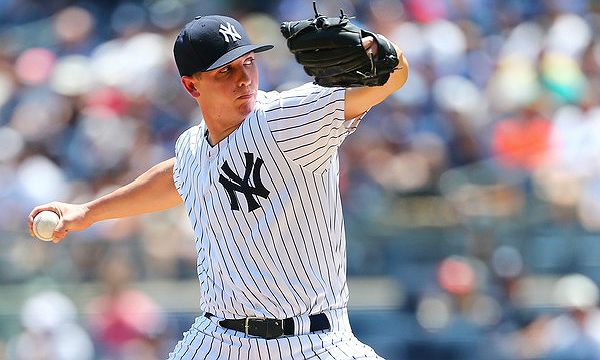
(209, 42)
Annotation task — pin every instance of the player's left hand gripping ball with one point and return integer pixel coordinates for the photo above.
(331, 50)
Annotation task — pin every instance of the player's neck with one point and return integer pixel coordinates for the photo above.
(216, 134)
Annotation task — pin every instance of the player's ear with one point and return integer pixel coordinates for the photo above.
(190, 85)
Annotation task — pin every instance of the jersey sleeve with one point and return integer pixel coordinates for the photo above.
(186, 147)
(308, 123)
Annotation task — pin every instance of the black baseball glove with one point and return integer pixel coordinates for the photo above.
(331, 50)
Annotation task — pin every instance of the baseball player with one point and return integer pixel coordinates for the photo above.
(259, 179)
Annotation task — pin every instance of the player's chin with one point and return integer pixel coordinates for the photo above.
(246, 104)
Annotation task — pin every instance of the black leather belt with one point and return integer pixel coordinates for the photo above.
(271, 328)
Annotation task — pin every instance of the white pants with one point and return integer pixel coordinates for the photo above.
(207, 340)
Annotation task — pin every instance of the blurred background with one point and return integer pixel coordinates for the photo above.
(472, 195)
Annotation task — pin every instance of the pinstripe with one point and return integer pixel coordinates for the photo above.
(296, 188)
(207, 351)
(312, 238)
(304, 240)
(189, 345)
(303, 134)
(254, 260)
(268, 229)
(234, 263)
(297, 120)
(325, 245)
(210, 349)
(326, 152)
(281, 356)
(228, 349)
(307, 221)
(317, 254)
(211, 293)
(239, 352)
(324, 166)
(215, 280)
(293, 265)
(290, 96)
(266, 250)
(341, 241)
(300, 96)
(212, 342)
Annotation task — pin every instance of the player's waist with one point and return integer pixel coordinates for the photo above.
(329, 320)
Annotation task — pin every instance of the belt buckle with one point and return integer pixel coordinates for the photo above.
(246, 325)
(273, 328)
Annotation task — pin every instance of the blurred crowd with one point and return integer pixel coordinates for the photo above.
(475, 188)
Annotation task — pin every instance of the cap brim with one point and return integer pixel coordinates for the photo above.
(236, 54)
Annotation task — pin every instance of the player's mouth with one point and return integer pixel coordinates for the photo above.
(246, 96)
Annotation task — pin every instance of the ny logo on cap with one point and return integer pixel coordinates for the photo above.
(229, 30)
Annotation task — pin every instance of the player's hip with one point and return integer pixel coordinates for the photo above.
(207, 339)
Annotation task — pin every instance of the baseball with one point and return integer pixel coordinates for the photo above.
(44, 224)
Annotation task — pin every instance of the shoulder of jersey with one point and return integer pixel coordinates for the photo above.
(263, 97)
(191, 135)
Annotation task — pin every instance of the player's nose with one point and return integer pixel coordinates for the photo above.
(244, 78)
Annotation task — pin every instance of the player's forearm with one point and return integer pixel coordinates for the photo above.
(152, 191)
(360, 99)
(398, 77)
(395, 82)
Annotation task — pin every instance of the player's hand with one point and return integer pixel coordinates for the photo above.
(72, 217)
(329, 48)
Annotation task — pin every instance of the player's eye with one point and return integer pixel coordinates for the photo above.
(225, 69)
(249, 61)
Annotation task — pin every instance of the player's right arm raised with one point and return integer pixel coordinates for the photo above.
(152, 191)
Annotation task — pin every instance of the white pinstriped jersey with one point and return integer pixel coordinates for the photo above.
(265, 207)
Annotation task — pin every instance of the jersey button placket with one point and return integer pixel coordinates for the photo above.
(211, 154)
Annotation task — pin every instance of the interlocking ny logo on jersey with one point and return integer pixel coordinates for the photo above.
(236, 184)
(229, 31)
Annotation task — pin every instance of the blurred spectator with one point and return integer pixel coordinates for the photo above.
(122, 319)
(50, 331)
(522, 142)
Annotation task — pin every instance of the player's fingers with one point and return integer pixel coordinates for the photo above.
(369, 44)
(368, 41)
(60, 231)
